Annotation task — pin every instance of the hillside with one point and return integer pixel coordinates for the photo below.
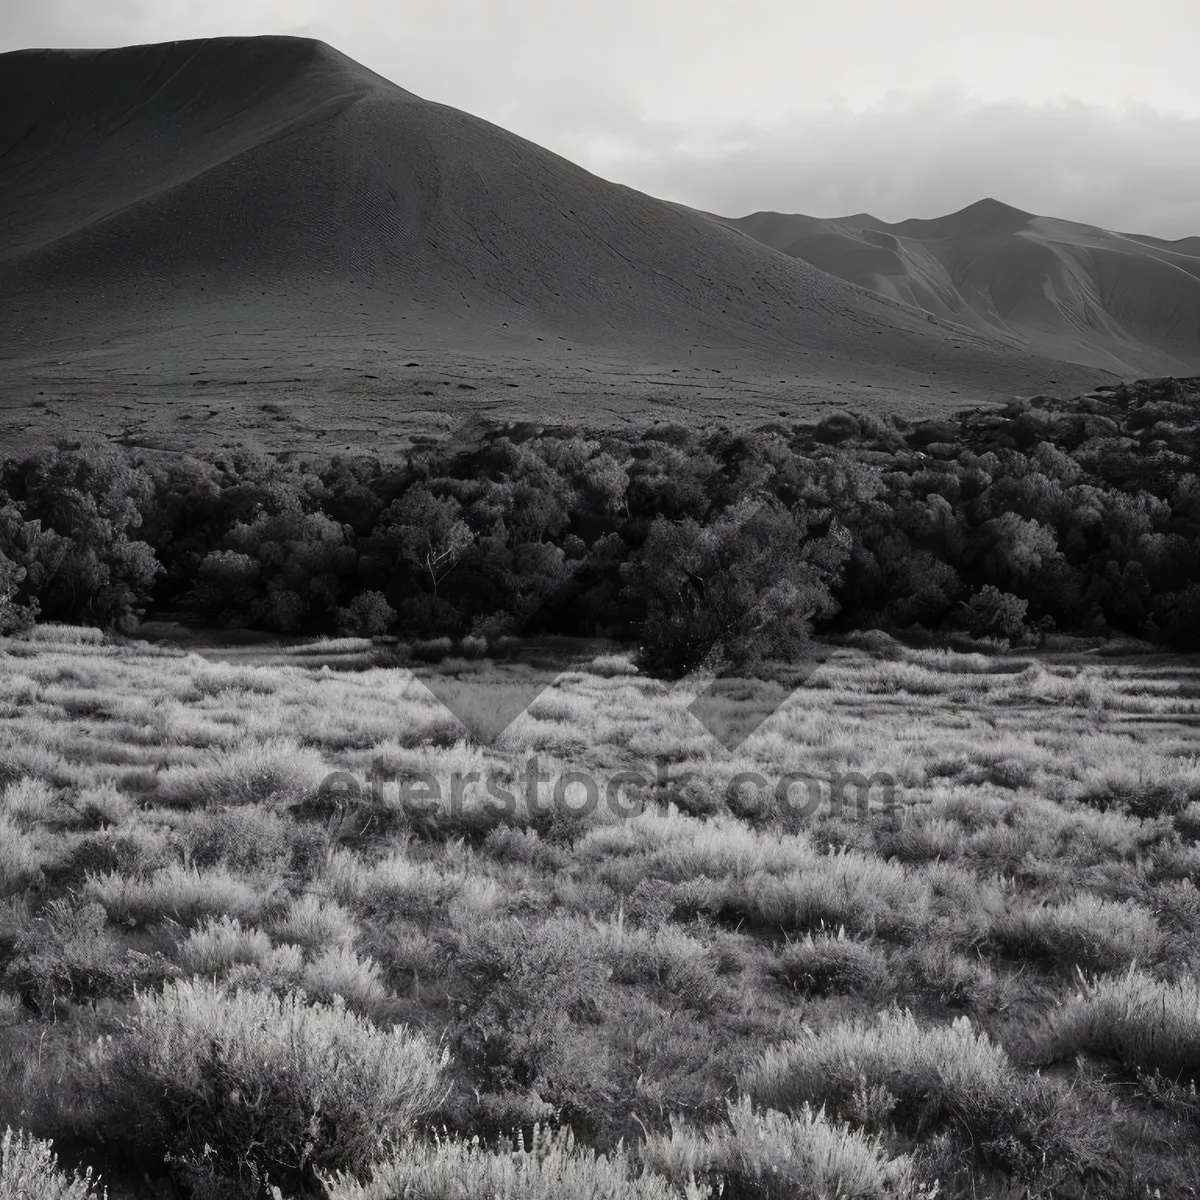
(206, 240)
(1126, 303)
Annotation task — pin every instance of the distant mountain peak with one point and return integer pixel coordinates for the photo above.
(1122, 302)
(986, 216)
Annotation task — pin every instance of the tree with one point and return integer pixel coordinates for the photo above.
(728, 595)
(80, 506)
(367, 615)
(306, 563)
(14, 617)
(993, 613)
(227, 584)
(427, 532)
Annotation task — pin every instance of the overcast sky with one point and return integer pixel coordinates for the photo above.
(1082, 109)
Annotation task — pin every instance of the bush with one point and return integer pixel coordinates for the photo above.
(14, 617)
(432, 650)
(316, 924)
(473, 647)
(21, 858)
(1086, 931)
(339, 972)
(279, 773)
(177, 892)
(55, 633)
(221, 944)
(744, 588)
(1142, 1022)
(29, 1170)
(243, 839)
(894, 1072)
(264, 1087)
(864, 894)
(611, 666)
(824, 964)
(69, 954)
(1182, 624)
(666, 958)
(776, 1157)
(554, 1168)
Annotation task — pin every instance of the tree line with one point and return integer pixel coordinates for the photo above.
(703, 545)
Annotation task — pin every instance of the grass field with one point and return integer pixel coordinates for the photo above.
(209, 960)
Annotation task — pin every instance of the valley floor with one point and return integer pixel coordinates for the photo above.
(989, 982)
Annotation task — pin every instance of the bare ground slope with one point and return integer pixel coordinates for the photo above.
(253, 239)
(1124, 302)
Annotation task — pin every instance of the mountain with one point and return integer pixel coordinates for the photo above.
(258, 239)
(1123, 302)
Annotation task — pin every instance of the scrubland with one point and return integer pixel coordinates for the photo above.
(215, 970)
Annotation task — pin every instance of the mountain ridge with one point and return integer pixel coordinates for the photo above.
(1128, 303)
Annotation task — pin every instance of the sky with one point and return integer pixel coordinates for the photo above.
(1088, 110)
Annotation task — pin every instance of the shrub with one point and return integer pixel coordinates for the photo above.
(667, 957)
(69, 953)
(221, 944)
(103, 804)
(14, 618)
(29, 802)
(743, 588)
(893, 1071)
(922, 840)
(279, 773)
(473, 647)
(767, 1154)
(955, 979)
(129, 851)
(181, 893)
(552, 1169)
(824, 964)
(21, 858)
(279, 970)
(1183, 619)
(432, 650)
(54, 633)
(535, 999)
(12, 1011)
(245, 839)
(338, 971)
(315, 923)
(611, 666)
(396, 884)
(29, 1170)
(862, 893)
(1142, 1022)
(269, 1087)
(1093, 933)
